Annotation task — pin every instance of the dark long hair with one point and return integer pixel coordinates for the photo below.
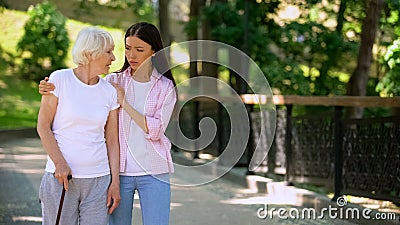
(151, 35)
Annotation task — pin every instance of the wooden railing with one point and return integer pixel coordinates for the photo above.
(344, 149)
(341, 151)
(346, 101)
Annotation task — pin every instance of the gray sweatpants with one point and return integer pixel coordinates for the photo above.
(85, 201)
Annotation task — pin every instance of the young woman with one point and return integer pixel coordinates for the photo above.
(147, 98)
(77, 124)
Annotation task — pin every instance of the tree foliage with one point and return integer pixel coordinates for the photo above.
(389, 58)
(390, 84)
(312, 53)
(45, 43)
(143, 9)
(290, 52)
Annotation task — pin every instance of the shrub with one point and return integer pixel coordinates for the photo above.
(44, 46)
(390, 83)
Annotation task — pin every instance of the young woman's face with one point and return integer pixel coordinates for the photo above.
(137, 51)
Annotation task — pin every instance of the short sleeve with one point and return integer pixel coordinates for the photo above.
(54, 78)
(114, 100)
(112, 78)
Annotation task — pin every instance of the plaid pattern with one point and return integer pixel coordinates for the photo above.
(158, 110)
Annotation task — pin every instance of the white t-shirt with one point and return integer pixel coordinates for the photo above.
(138, 163)
(79, 123)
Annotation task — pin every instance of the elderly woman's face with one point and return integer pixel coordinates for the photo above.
(103, 62)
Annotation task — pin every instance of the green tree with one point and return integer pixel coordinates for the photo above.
(240, 24)
(45, 43)
(143, 9)
(314, 53)
(390, 84)
(357, 85)
(283, 50)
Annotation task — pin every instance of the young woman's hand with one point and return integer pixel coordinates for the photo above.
(121, 93)
(45, 87)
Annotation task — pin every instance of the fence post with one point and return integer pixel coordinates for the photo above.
(220, 127)
(338, 146)
(288, 141)
(196, 128)
(250, 146)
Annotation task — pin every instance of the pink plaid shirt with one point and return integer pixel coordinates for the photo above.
(158, 110)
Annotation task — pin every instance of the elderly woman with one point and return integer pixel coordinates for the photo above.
(78, 127)
(147, 98)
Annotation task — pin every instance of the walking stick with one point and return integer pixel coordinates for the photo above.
(69, 177)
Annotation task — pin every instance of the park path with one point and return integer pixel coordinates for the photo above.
(222, 202)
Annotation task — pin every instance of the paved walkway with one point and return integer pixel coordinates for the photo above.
(222, 202)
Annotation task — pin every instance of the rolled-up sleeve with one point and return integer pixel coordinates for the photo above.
(158, 123)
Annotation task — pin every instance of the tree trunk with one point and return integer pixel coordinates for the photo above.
(340, 18)
(193, 35)
(244, 65)
(357, 85)
(207, 68)
(163, 17)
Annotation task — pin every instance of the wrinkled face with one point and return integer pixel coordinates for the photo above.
(137, 51)
(103, 62)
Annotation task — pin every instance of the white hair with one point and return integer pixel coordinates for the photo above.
(91, 41)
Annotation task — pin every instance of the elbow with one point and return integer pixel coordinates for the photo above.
(40, 130)
(155, 129)
(43, 129)
(113, 144)
(112, 141)
(153, 135)
(153, 138)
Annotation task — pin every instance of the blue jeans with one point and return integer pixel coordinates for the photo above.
(154, 195)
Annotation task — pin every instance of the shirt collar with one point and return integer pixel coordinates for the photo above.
(154, 74)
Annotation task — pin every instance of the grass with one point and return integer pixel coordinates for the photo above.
(12, 25)
(91, 14)
(19, 103)
(19, 99)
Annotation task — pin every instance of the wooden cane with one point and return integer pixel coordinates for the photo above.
(69, 177)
